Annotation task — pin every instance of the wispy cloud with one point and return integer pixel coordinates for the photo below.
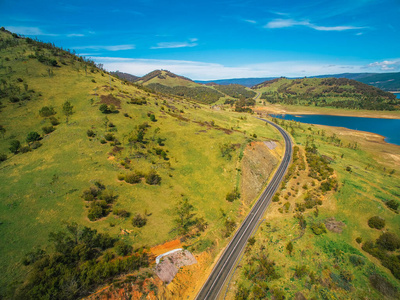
(386, 65)
(168, 45)
(251, 21)
(24, 30)
(75, 35)
(286, 23)
(210, 71)
(108, 48)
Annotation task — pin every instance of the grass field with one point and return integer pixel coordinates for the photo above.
(326, 259)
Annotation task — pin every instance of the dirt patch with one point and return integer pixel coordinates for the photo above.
(110, 100)
(170, 264)
(168, 246)
(257, 165)
(334, 226)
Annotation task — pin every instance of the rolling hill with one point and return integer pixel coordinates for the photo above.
(82, 150)
(327, 92)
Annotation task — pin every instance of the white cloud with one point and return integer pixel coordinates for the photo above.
(285, 23)
(109, 48)
(386, 65)
(36, 31)
(251, 21)
(75, 35)
(167, 45)
(212, 71)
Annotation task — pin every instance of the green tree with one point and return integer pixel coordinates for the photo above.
(139, 221)
(2, 131)
(104, 108)
(15, 145)
(32, 136)
(67, 110)
(289, 247)
(185, 216)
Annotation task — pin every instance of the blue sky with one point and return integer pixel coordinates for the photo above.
(221, 38)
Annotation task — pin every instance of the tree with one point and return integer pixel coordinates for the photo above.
(104, 108)
(32, 136)
(67, 109)
(47, 111)
(153, 178)
(139, 221)
(376, 222)
(185, 216)
(2, 131)
(389, 241)
(14, 146)
(393, 204)
(289, 247)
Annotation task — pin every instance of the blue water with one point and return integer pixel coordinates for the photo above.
(389, 128)
(397, 95)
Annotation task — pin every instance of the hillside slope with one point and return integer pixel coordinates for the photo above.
(327, 92)
(89, 149)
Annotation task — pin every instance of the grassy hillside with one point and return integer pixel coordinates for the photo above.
(327, 92)
(115, 133)
(315, 243)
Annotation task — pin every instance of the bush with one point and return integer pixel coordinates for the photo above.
(383, 286)
(48, 129)
(36, 145)
(376, 222)
(122, 249)
(32, 137)
(121, 177)
(15, 145)
(3, 157)
(104, 109)
(90, 133)
(54, 121)
(121, 213)
(108, 196)
(393, 204)
(356, 260)
(232, 196)
(300, 271)
(389, 241)
(47, 111)
(359, 240)
(109, 137)
(25, 149)
(139, 221)
(133, 177)
(153, 178)
(318, 228)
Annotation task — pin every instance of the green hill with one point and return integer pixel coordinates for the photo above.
(327, 92)
(120, 155)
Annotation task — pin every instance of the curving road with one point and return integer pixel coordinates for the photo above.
(227, 261)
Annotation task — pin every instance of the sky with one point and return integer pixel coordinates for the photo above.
(219, 39)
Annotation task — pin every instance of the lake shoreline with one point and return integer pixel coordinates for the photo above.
(279, 110)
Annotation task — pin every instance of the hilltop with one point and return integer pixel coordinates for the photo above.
(384, 81)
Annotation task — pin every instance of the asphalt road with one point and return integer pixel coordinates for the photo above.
(227, 261)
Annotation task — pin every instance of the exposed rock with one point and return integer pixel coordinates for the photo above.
(335, 226)
(170, 264)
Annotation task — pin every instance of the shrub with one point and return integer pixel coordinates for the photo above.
(32, 137)
(153, 178)
(36, 145)
(108, 196)
(393, 204)
(232, 196)
(103, 141)
(47, 111)
(383, 286)
(54, 121)
(275, 198)
(376, 222)
(90, 133)
(389, 241)
(94, 81)
(48, 129)
(359, 240)
(104, 109)
(3, 157)
(300, 271)
(109, 137)
(133, 177)
(139, 221)
(356, 260)
(122, 249)
(121, 213)
(15, 145)
(97, 210)
(25, 149)
(121, 177)
(318, 228)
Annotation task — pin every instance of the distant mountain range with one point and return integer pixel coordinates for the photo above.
(384, 81)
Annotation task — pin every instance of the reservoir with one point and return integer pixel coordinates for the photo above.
(389, 128)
